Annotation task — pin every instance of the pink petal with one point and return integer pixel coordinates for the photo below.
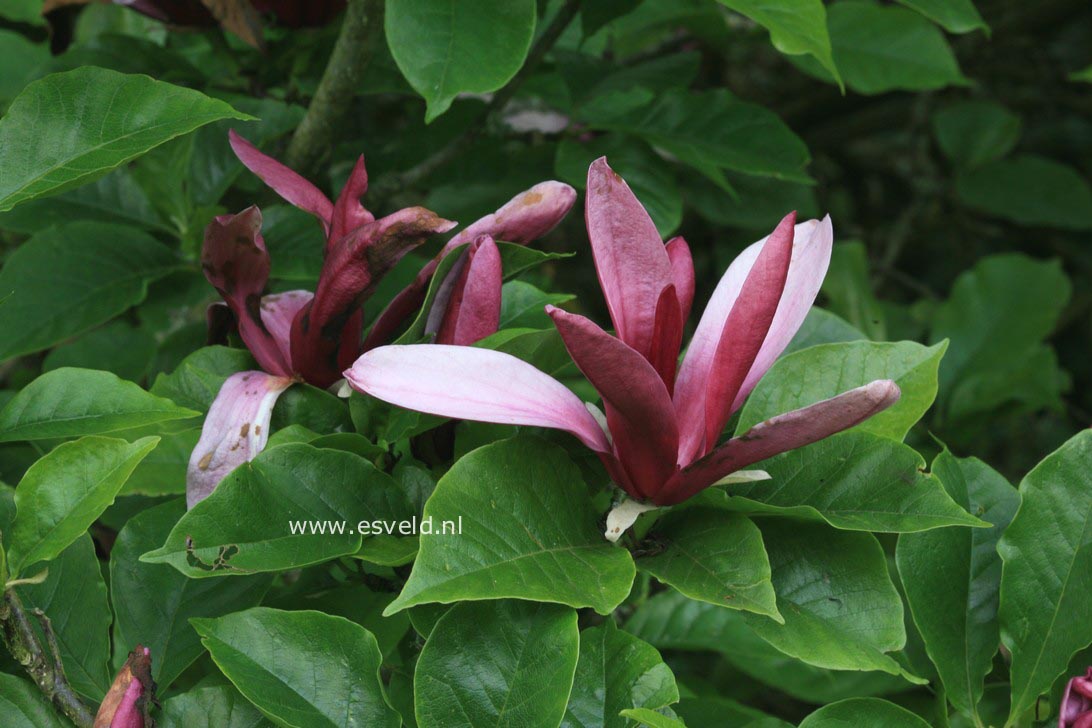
(630, 257)
(667, 337)
(473, 384)
(326, 333)
(682, 272)
(527, 216)
(785, 432)
(288, 184)
(473, 312)
(348, 213)
(235, 430)
(639, 412)
(236, 263)
(278, 312)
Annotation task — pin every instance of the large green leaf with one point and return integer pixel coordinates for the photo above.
(499, 663)
(649, 718)
(714, 556)
(68, 279)
(73, 596)
(153, 602)
(117, 347)
(71, 402)
(23, 705)
(446, 48)
(796, 27)
(196, 381)
(822, 372)
(246, 525)
(841, 610)
(528, 531)
(952, 576)
(863, 712)
(70, 128)
(1047, 573)
(616, 671)
(855, 481)
(972, 133)
(302, 669)
(212, 706)
(62, 494)
(1029, 190)
(848, 289)
(955, 16)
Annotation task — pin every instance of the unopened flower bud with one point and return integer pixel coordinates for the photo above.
(130, 697)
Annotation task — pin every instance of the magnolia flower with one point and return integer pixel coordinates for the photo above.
(126, 704)
(1076, 708)
(658, 438)
(300, 336)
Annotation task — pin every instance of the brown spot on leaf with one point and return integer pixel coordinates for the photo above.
(203, 463)
(244, 430)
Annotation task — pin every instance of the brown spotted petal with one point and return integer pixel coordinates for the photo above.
(131, 695)
(235, 431)
(236, 263)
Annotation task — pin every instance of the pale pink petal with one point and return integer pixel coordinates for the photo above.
(782, 433)
(348, 213)
(639, 413)
(630, 257)
(682, 272)
(278, 312)
(473, 311)
(810, 259)
(235, 430)
(288, 184)
(469, 383)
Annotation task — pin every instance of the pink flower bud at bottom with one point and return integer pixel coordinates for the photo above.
(127, 703)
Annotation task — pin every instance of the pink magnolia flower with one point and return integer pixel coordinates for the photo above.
(126, 704)
(300, 336)
(659, 441)
(1076, 707)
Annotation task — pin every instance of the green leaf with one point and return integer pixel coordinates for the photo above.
(22, 60)
(822, 372)
(1047, 572)
(880, 48)
(955, 16)
(163, 472)
(23, 11)
(24, 706)
(72, 402)
(651, 718)
(302, 669)
(972, 133)
(854, 481)
(522, 305)
(952, 576)
(213, 706)
(117, 347)
(528, 531)
(841, 610)
(445, 49)
(616, 671)
(153, 602)
(60, 287)
(198, 378)
(62, 494)
(357, 603)
(991, 330)
(796, 27)
(73, 596)
(1029, 190)
(714, 556)
(848, 288)
(246, 525)
(863, 712)
(1082, 75)
(822, 327)
(71, 128)
(497, 663)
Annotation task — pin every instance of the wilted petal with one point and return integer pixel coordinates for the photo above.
(630, 257)
(638, 407)
(235, 430)
(682, 272)
(326, 332)
(527, 216)
(295, 190)
(698, 378)
(782, 433)
(473, 384)
(236, 263)
(349, 214)
(278, 312)
(126, 704)
(473, 310)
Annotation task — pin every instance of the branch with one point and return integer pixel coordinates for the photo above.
(44, 667)
(361, 31)
(500, 99)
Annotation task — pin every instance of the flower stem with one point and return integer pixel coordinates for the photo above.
(361, 32)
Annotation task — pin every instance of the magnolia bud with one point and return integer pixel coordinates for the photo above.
(1076, 708)
(129, 699)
